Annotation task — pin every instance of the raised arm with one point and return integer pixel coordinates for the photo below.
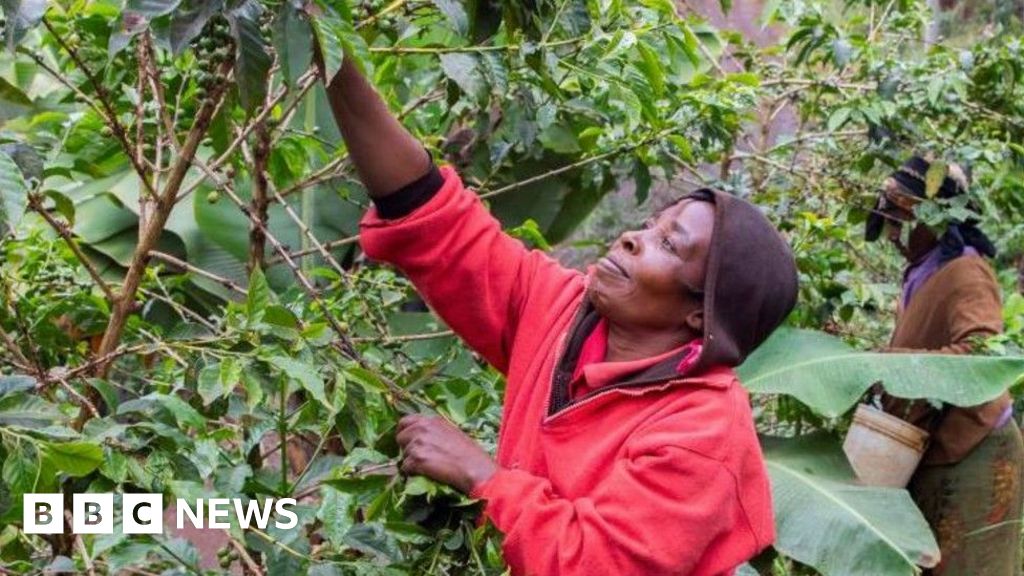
(478, 279)
(385, 154)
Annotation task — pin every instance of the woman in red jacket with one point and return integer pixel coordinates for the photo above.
(627, 445)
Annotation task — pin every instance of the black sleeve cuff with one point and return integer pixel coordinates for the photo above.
(403, 201)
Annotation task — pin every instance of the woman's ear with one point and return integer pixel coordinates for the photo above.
(695, 320)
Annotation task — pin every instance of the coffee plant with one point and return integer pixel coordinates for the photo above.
(184, 308)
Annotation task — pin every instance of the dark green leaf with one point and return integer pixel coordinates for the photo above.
(152, 8)
(293, 41)
(463, 69)
(456, 14)
(642, 178)
(252, 60)
(188, 22)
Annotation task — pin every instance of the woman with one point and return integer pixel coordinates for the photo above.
(627, 445)
(968, 484)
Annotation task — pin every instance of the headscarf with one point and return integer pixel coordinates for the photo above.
(911, 179)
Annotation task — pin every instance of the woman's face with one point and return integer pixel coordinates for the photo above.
(912, 239)
(649, 277)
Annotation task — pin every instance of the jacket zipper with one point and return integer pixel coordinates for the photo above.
(554, 369)
(630, 389)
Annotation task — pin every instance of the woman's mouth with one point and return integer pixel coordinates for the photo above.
(612, 266)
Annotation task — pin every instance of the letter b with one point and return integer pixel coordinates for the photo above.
(43, 513)
(92, 514)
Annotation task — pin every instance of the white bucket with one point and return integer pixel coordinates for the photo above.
(883, 449)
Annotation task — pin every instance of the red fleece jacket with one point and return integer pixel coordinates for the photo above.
(667, 478)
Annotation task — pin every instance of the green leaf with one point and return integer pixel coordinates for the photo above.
(726, 6)
(14, 103)
(20, 468)
(28, 411)
(259, 296)
(335, 513)
(870, 530)
(650, 65)
(22, 16)
(209, 385)
(252, 59)
(72, 458)
(189, 20)
(664, 6)
(530, 231)
(642, 179)
(830, 377)
(462, 69)
(337, 40)
(838, 117)
(16, 383)
(152, 8)
(455, 13)
(181, 410)
(304, 373)
(933, 178)
(13, 193)
(744, 78)
(293, 41)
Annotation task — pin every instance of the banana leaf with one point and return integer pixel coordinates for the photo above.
(828, 376)
(827, 521)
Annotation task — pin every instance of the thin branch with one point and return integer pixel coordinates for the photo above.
(471, 49)
(243, 554)
(111, 119)
(406, 337)
(229, 284)
(309, 234)
(182, 311)
(64, 231)
(327, 246)
(125, 304)
(574, 166)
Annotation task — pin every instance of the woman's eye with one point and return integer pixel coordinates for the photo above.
(667, 245)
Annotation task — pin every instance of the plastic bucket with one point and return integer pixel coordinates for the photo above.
(883, 449)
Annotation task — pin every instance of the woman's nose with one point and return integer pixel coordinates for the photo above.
(630, 242)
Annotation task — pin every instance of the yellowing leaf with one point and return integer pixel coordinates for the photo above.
(934, 177)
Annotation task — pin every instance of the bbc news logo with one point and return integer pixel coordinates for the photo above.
(144, 513)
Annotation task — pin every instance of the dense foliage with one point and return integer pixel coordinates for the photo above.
(184, 309)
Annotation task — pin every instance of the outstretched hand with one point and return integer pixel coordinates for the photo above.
(436, 448)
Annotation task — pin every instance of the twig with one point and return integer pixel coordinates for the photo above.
(406, 337)
(243, 554)
(325, 173)
(229, 284)
(573, 166)
(470, 49)
(81, 547)
(309, 234)
(125, 303)
(306, 252)
(64, 232)
(182, 311)
(104, 98)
